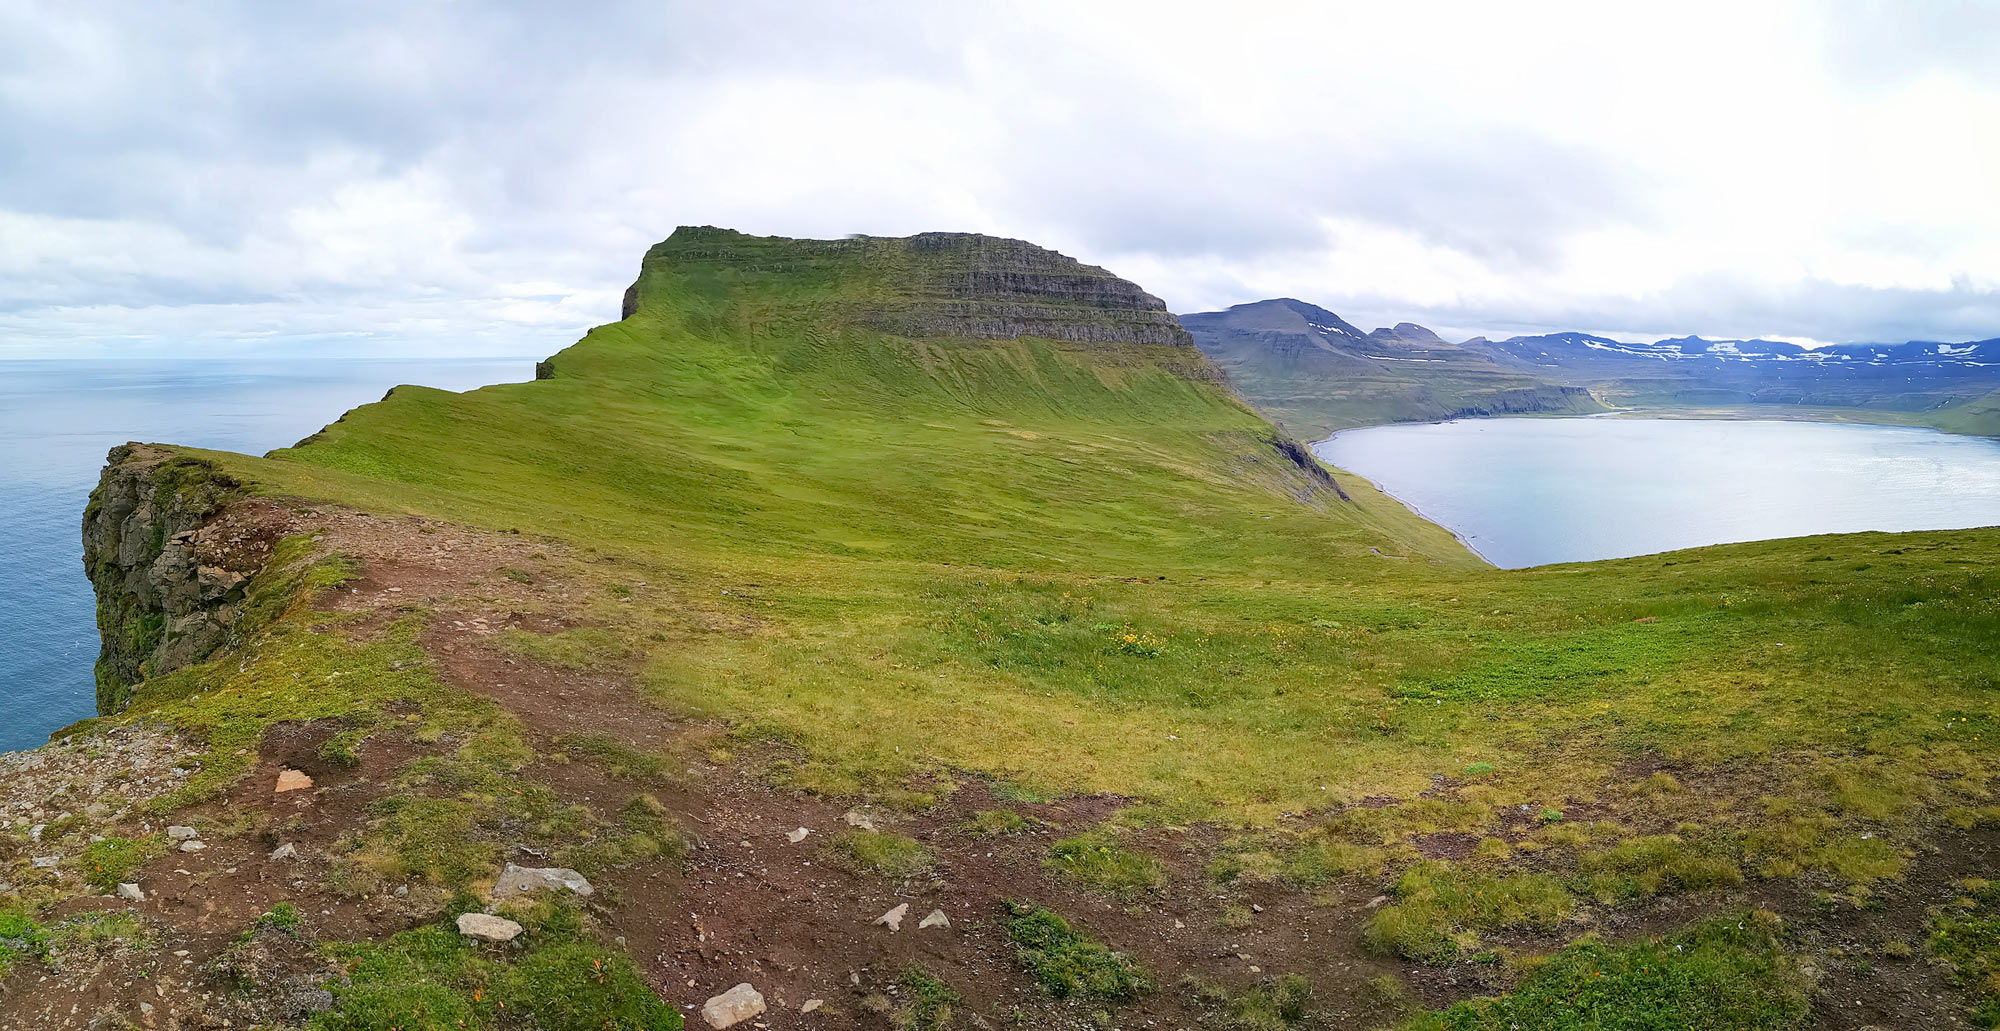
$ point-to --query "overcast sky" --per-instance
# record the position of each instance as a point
(477, 178)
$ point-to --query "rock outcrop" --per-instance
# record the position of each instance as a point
(171, 577)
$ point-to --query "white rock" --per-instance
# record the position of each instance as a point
(285, 851)
(861, 820)
(732, 1007)
(517, 879)
(935, 918)
(488, 928)
(46, 862)
(179, 833)
(798, 835)
(811, 1005)
(193, 845)
(131, 891)
(893, 919)
(35, 832)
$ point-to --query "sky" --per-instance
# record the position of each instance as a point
(455, 178)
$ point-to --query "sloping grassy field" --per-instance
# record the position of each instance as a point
(1083, 568)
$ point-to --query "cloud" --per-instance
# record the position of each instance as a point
(453, 178)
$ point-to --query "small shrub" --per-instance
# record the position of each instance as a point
(109, 862)
(1067, 964)
(283, 917)
(931, 1002)
(994, 823)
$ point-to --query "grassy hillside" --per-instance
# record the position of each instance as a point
(1980, 417)
(894, 566)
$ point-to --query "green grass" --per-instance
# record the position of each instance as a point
(930, 1004)
(1723, 975)
(1097, 860)
(1068, 964)
(1273, 1004)
(882, 852)
(1646, 866)
(616, 757)
(21, 937)
(432, 977)
(1439, 911)
(995, 823)
(583, 648)
(1966, 937)
(108, 862)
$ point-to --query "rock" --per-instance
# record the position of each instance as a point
(285, 851)
(798, 835)
(178, 833)
(893, 919)
(732, 1007)
(35, 832)
(488, 928)
(517, 879)
(811, 1005)
(132, 892)
(46, 862)
(861, 820)
(935, 918)
(193, 845)
(291, 780)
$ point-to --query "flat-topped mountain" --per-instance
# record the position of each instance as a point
(1309, 373)
(929, 285)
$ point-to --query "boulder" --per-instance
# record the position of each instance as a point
(517, 879)
(935, 918)
(132, 892)
(291, 780)
(488, 928)
(893, 919)
(178, 833)
(732, 1007)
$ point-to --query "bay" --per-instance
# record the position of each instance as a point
(1525, 492)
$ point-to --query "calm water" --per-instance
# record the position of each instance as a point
(58, 418)
(1523, 492)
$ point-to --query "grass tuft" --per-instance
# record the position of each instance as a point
(1066, 963)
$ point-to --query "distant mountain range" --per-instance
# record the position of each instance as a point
(1313, 371)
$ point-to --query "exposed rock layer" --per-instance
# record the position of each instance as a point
(170, 575)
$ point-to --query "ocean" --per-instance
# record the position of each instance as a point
(57, 420)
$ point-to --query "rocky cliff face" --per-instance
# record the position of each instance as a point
(938, 285)
(170, 570)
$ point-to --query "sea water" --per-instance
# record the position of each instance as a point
(57, 420)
